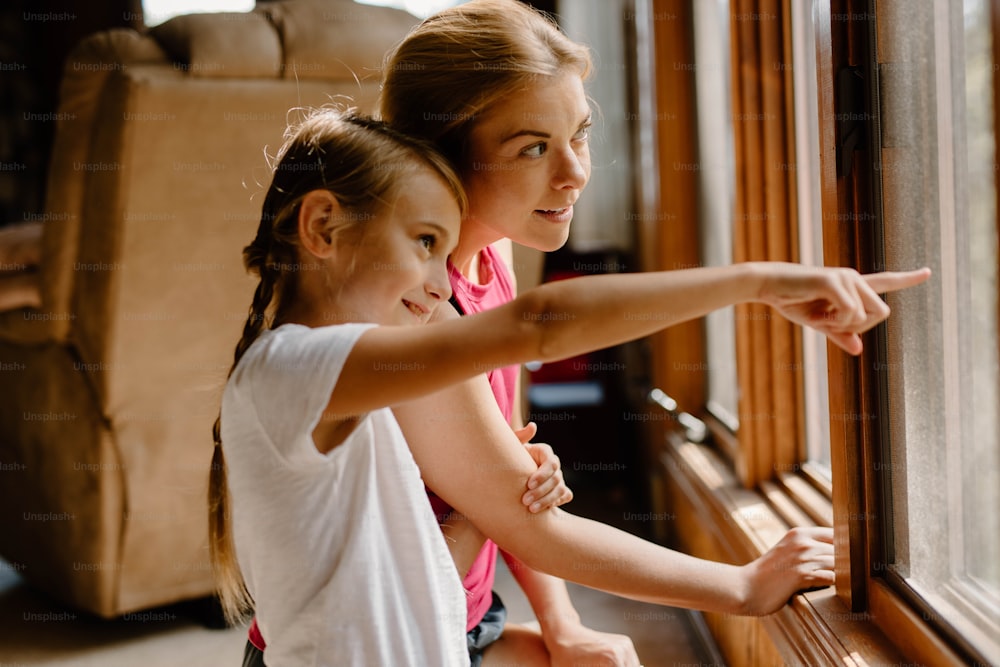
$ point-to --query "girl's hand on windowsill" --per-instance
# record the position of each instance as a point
(802, 559)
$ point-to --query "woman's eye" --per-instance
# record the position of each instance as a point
(427, 241)
(535, 150)
(583, 134)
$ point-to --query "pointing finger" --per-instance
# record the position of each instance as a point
(890, 281)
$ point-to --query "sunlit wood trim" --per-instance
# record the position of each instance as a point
(784, 506)
(741, 517)
(725, 440)
(817, 478)
(806, 496)
(906, 628)
(828, 633)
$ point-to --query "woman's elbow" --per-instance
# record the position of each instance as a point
(531, 538)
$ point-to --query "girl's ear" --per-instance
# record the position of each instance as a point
(319, 208)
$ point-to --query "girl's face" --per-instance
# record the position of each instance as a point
(394, 269)
(529, 160)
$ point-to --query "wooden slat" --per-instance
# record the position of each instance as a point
(808, 498)
(765, 229)
(995, 22)
(749, 242)
(679, 352)
(785, 507)
(832, 47)
(777, 159)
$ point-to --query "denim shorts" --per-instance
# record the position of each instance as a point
(488, 630)
(478, 638)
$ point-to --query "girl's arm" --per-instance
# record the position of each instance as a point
(474, 462)
(389, 365)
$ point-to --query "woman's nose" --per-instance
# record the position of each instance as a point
(572, 170)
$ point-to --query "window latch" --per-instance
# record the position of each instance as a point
(694, 428)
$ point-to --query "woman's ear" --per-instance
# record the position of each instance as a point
(319, 209)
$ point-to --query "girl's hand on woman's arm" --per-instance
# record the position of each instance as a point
(546, 486)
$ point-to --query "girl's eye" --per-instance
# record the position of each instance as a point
(427, 241)
(535, 150)
(583, 134)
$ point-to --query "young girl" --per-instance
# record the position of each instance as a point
(340, 551)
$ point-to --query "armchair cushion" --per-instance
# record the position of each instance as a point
(326, 39)
(224, 45)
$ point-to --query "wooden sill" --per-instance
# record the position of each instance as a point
(903, 624)
(815, 628)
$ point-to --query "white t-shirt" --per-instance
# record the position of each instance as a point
(341, 551)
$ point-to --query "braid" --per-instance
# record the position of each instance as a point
(236, 600)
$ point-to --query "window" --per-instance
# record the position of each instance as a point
(940, 464)
(815, 446)
(156, 12)
(715, 197)
(420, 8)
(863, 135)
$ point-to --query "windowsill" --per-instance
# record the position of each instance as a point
(815, 628)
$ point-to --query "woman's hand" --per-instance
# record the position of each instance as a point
(840, 303)
(546, 487)
(802, 559)
(580, 645)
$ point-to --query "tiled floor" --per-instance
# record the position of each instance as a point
(36, 631)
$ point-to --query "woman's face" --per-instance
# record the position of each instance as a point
(529, 160)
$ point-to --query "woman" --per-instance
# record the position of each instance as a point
(499, 89)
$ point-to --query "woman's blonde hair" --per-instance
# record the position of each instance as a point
(456, 64)
(362, 162)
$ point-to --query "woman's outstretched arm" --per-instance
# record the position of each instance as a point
(473, 461)
(389, 365)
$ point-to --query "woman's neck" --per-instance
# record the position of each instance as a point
(473, 240)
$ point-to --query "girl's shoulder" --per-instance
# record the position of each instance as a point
(299, 350)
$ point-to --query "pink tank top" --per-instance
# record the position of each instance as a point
(494, 290)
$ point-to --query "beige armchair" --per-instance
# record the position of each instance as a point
(108, 391)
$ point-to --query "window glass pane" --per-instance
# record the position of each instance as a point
(155, 12)
(939, 209)
(807, 182)
(716, 191)
(421, 8)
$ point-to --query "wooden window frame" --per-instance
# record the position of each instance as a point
(743, 500)
(858, 497)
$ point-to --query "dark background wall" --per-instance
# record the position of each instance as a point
(35, 38)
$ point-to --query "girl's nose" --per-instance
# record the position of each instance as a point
(438, 286)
